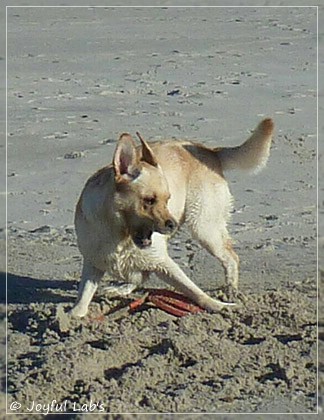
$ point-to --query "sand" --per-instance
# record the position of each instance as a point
(77, 78)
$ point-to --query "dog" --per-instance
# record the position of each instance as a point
(128, 210)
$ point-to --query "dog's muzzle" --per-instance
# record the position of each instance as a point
(169, 227)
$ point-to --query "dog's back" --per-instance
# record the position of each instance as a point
(250, 156)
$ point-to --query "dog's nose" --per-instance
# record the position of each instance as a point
(170, 225)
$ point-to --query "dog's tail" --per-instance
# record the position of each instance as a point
(252, 155)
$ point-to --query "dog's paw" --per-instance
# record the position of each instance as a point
(214, 305)
(234, 295)
(78, 312)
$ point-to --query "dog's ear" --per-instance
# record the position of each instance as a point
(147, 153)
(125, 159)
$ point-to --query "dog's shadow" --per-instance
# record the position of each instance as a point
(23, 289)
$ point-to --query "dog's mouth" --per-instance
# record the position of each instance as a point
(143, 240)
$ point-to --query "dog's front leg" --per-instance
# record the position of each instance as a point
(88, 285)
(172, 274)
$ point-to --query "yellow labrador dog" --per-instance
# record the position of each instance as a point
(128, 210)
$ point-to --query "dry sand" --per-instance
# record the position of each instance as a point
(76, 79)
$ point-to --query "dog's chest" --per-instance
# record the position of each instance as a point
(124, 263)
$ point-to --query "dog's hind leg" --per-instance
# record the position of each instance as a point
(207, 221)
(219, 245)
(88, 285)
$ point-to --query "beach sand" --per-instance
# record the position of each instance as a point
(77, 78)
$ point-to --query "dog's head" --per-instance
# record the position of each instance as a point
(142, 191)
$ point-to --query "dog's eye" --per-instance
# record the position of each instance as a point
(149, 201)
